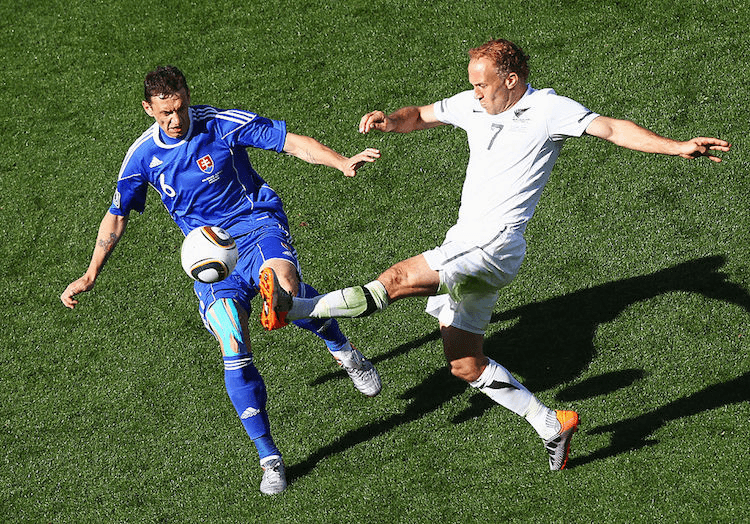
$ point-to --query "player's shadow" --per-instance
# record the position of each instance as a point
(632, 433)
(551, 343)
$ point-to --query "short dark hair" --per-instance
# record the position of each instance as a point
(507, 57)
(163, 81)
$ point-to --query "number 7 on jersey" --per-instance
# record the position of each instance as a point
(499, 128)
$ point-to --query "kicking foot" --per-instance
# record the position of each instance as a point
(276, 301)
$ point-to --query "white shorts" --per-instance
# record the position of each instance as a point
(470, 277)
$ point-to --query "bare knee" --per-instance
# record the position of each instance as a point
(463, 351)
(395, 279)
(286, 272)
(409, 278)
(468, 369)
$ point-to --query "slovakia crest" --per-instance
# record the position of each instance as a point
(206, 164)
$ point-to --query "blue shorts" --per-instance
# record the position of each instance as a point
(255, 248)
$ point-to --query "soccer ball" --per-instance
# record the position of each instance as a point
(208, 254)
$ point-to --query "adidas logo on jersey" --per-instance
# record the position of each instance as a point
(249, 412)
(155, 162)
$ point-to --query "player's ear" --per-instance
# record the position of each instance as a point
(147, 108)
(511, 80)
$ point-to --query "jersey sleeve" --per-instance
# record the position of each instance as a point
(567, 118)
(246, 129)
(132, 185)
(452, 110)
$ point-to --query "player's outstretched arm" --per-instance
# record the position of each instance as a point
(632, 136)
(111, 230)
(404, 120)
(312, 151)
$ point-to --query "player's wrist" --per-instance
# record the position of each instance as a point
(90, 276)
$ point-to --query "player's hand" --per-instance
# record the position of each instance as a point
(358, 160)
(702, 146)
(74, 288)
(373, 120)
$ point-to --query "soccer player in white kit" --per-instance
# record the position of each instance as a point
(515, 135)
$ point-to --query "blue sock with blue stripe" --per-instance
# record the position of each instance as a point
(327, 329)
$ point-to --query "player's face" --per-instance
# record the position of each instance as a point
(493, 91)
(170, 112)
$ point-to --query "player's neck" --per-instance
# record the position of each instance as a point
(515, 96)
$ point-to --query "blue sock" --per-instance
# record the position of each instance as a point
(327, 329)
(247, 392)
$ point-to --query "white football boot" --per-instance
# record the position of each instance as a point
(363, 374)
(274, 476)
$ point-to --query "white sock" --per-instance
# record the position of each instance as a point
(543, 420)
(349, 302)
(497, 383)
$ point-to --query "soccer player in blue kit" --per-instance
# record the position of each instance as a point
(195, 158)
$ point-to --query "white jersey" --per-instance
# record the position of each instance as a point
(511, 157)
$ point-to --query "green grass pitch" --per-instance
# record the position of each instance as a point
(632, 306)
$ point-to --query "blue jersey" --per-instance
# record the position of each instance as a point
(205, 178)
